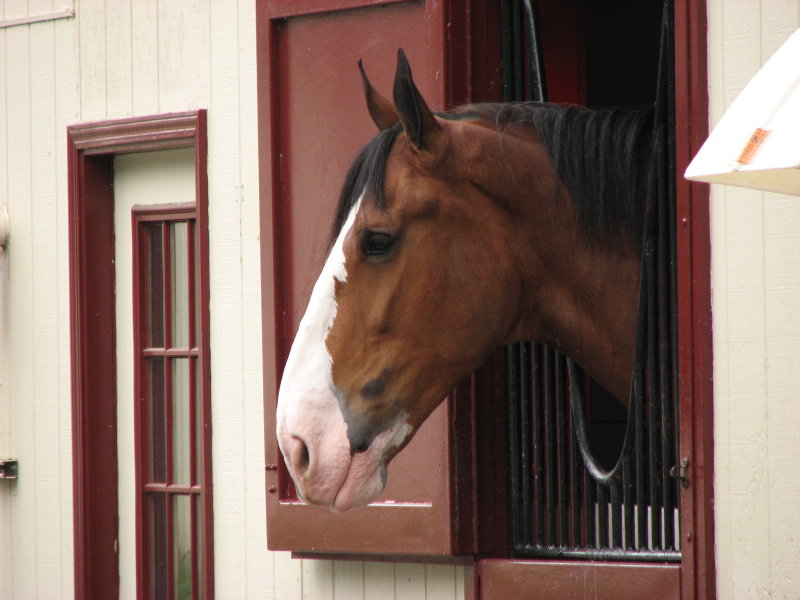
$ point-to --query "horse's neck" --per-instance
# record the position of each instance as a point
(591, 317)
(580, 297)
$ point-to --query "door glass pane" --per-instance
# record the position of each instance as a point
(181, 443)
(198, 420)
(158, 420)
(198, 520)
(179, 276)
(154, 285)
(182, 537)
(197, 330)
(158, 546)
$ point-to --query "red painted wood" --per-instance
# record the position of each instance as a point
(694, 304)
(563, 45)
(312, 123)
(93, 369)
(281, 9)
(546, 580)
(171, 352)
(192, 342)
(91, 149)
(166, 286)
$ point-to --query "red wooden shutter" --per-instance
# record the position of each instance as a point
(312, 122)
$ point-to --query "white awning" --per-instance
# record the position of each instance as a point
(756, 144)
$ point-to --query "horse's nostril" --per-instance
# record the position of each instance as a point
(299, 456)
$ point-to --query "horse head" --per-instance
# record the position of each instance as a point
(402, 308)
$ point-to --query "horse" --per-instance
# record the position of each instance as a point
(458, 232)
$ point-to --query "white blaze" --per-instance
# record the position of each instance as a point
(308, 407)
(307, 383)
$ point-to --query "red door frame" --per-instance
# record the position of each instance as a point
(695, 346)
(91, 148)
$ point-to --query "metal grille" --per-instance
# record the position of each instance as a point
(558, 508)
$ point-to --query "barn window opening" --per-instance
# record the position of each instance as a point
(558, 507)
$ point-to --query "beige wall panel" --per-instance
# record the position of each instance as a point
(20, 321)
(91, 23)
(5, 415)
(144, 58)
(756, 283)
(118, 46)
(39, 67)
(184, 52)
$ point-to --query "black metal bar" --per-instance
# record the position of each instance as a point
(602, 516)
(670, 432)
(551, 507)
(561, 442)
(526, 445)
(641, 480)
(616, 514)
(537, 406)
(652, 395)
(590, 489)
(537, 84)
(665, 377)
(515, 472)
(576, 497)
(628, 476)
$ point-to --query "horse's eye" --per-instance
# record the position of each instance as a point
(375, 243)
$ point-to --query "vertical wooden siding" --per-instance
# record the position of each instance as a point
(756, 286)
(118, 59)
(38, 101)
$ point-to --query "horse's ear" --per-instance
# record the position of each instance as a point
(417, 119)
(380, 109)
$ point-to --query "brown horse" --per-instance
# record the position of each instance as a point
(456, 233)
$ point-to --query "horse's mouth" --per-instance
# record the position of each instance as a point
(356, 492)
(360, 481)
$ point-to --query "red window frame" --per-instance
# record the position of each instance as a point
(154, 277)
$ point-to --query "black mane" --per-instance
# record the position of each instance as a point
(601, 156)
(367, 174)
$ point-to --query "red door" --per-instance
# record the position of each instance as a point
(313, 122)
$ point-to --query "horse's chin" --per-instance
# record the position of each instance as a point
(357, 492)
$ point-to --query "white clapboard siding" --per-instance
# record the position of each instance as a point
(20, 318)
(756, 286)
(38, 103)
(119, 59)
(5, 416)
